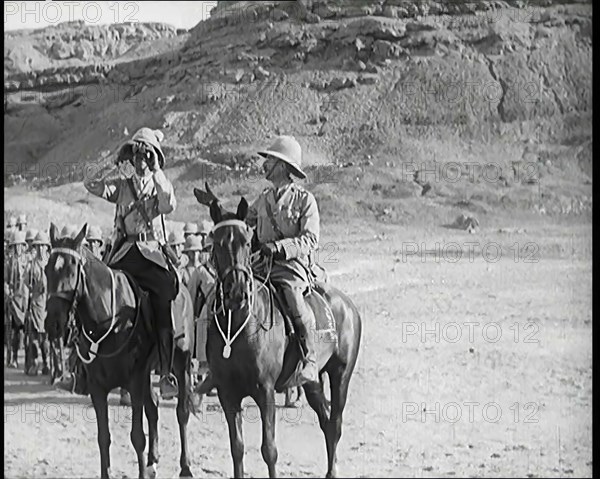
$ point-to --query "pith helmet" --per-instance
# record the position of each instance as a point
(176, 237)
(150, 137)
(31, 234)
(12, 222)
(18, 238)
(190, 228)
(193, 243)
(205, 227)
(22, 220)
(42, 238)
(287, 149)
(95, 234)
(68, 231)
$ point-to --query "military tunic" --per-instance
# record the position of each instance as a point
(201, 283)
(159, 200)
(296, 215)
(16, 278)
(39, 289)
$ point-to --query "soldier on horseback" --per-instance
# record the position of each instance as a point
(286, 221)
(139, 240)
(287, 224)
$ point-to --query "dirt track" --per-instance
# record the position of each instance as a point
(516, 406)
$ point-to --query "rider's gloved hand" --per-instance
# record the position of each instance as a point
(271, 249)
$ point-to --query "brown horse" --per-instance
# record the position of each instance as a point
(110, 318)
(249, 360)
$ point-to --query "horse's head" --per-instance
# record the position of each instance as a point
(64, 272)
(232, 239)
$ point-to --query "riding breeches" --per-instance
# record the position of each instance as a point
(153, 278)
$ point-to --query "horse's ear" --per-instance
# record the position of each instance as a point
(215, 212)
(52, 234)
(242, 209)
(81, 235)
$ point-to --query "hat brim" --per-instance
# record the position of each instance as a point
(295, 168)
(156, 146)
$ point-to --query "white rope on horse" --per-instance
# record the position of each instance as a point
(227, 338)
(93, 352)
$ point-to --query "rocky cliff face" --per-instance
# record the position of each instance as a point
(376, 89)
(74, 53)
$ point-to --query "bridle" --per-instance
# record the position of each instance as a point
(246, 270)
(73, 298)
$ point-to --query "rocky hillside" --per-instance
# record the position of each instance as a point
(400, 105)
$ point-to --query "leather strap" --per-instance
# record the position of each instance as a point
(272, 220)
(139, 203)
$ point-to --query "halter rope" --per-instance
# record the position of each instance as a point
(94, 345)
(228, 339)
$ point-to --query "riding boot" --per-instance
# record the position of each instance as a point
(168, 381)
(302, 324)
(309, 371)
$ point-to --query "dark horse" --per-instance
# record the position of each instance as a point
(253, 361)
(109, 309)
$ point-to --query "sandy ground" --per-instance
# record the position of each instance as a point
(467, 368)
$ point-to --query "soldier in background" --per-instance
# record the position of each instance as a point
(94, 241)
(192, 250)
(202, 280)
(37, 339)
(22, 223)
(16, 287)
(29, 237)
(190, 229)
(177, 242)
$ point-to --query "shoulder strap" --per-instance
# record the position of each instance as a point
(272, 219)
(138, 203)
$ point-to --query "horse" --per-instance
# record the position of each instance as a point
(249, 361)
(109, 316)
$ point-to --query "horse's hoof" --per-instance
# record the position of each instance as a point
(185, 472)
(152, 472)
(295, 404)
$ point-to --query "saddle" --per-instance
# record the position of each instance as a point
(181, 314)
(325, 329)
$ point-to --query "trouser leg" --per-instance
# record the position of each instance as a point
(45, 347)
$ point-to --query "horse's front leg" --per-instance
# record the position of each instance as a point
(151, 411)
(232, 407)
(99, 400)
(183, 372)
(138, 439)
(265, 398)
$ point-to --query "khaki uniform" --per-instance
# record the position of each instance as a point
(117, 191)
(36, 315)
(202, 280)
(295, 212)
(39, 289)
(15, 279)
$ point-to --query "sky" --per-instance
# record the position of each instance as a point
(18, 15)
